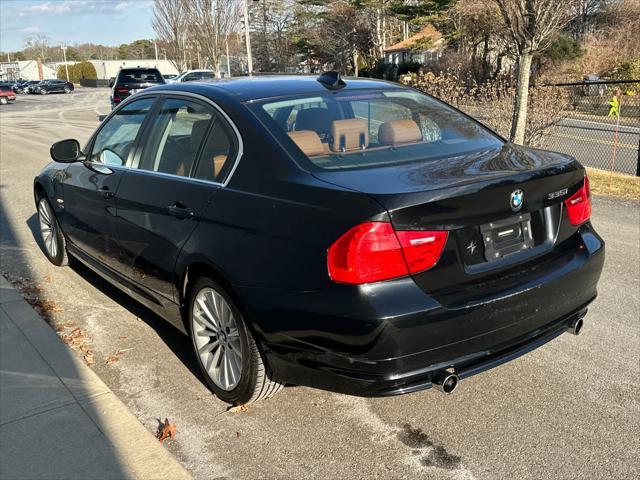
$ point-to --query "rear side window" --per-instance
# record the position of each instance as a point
(370, 128)
(115, 139)
(218, 153)
(140, 76)
(176, 135)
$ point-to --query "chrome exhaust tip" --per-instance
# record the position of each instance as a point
(576, 326)
(445, 382)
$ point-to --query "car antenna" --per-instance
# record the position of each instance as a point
(331, 80)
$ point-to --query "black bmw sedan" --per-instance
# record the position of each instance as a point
(352, 235)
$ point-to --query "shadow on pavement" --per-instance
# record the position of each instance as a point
(172, 337)
(52, 422)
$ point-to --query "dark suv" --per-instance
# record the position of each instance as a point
(54, 86)
(132, 80)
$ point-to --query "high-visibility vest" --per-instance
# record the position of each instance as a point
(614, 111)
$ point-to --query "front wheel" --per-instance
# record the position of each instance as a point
(233, 367)
(67, 90)
(3, 101)
(53, 241)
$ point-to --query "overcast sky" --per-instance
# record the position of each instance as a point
(108, 22)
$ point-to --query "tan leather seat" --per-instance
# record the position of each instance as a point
(198, 129)
(218, 163)
(309, 142)
(349, 135)
(396, 132)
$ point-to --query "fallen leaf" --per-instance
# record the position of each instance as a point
(88, 357)
(111, 359)
(167, 430)
(76, 332)
(237, 434)
(84, 348)
(47, 279)
(238, 409)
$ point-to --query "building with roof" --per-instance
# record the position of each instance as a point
(425, 46)
(26, 70)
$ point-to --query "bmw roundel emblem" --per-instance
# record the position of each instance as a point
(517, 199)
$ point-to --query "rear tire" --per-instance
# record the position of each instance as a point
(223, 344)
(53, 241)
(67, 90)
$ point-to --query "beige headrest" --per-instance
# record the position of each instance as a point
(309, 142)
(350, 134)
(399, 131)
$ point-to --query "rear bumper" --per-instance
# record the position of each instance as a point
(391, 337)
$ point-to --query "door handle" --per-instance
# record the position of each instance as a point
(179, 210)
(105, 193)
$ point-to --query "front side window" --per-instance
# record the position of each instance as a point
(369, 128)
(115, 139)
(176, 135)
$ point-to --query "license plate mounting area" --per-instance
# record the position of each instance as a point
(505, 237)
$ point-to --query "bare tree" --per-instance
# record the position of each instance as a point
(211, 22)
(531, 26)
(37, 46)
(169, 23)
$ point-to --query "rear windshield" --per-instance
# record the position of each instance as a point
(368, 128)
(140, 76)
(5, 88)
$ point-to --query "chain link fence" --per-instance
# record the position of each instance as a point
(596, 131)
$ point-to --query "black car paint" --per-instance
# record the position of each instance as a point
(265, 237)
(54, 86)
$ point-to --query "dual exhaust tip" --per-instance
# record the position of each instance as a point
(446, 381)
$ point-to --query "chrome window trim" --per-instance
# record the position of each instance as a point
(180, 93)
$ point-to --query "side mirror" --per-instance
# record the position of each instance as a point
(66, 151)
(112, 80)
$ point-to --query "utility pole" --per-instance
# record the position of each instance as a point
(228, 62)
(64, 57)
(155, 46)
(247, 37)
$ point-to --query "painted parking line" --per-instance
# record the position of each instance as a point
(595, 140)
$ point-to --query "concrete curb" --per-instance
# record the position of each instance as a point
(57, 418)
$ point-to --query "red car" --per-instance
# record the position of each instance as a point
(6, 94)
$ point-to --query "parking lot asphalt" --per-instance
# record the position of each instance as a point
(570, 409)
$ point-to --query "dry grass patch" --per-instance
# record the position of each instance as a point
(610, 184)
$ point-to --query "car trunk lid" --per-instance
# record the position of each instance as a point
(472, 197)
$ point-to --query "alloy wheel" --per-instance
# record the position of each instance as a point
(48, 228)
(217, 338)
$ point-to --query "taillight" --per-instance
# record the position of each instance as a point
(579, 204)
(374, 251)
